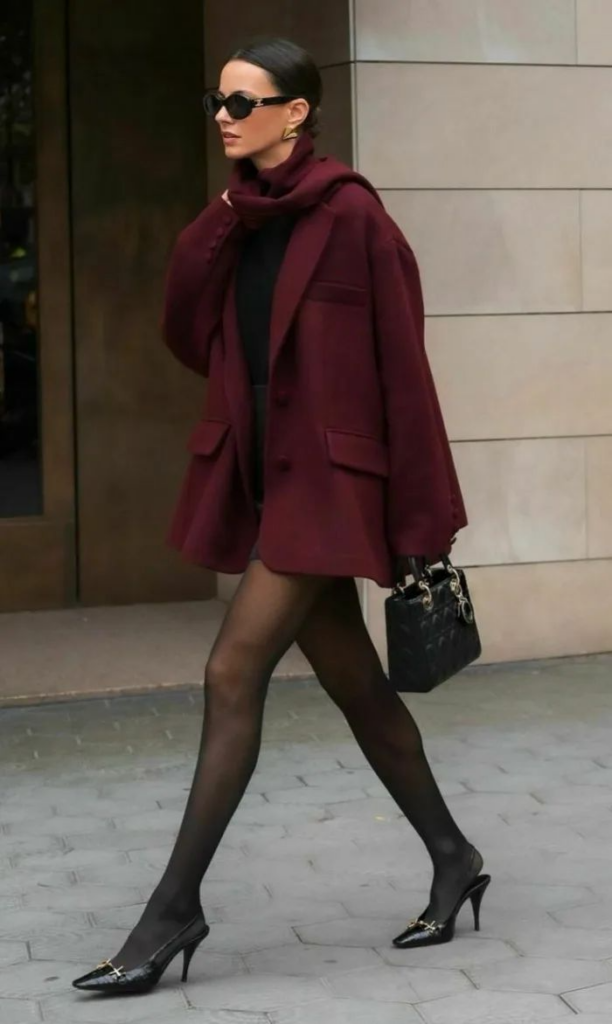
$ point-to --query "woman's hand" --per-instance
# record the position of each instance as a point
(415, 565)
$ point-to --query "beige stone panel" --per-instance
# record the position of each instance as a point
(475, 256)
(594, 23)
(484, 126)
(544, 610)
(321, 26)
(523, 376)
(599, 497)
(529, 611)
(479, 31)
(526, 500)
(597, 249)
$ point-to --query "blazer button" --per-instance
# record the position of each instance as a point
(284, 463)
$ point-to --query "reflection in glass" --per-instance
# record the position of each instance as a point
(20, 489)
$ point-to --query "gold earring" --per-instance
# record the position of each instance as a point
(289, 133)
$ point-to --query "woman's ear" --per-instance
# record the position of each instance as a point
(298, 112)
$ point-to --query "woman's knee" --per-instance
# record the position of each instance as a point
(230, 682)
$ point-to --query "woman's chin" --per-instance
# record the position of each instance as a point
(234, 148)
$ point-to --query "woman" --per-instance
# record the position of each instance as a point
(299, 298)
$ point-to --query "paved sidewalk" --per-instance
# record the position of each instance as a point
(318, 870)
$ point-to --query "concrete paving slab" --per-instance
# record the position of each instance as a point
(304, 897)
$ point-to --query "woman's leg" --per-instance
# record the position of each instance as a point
(336, 642)
(260, 624)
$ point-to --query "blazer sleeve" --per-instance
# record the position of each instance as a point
(424, 503)
(197, 276)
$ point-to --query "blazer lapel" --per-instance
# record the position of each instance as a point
(306, 245)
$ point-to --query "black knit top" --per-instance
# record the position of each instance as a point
(260, 261)
(257, 272)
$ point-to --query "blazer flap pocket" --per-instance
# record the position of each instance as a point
(207, 436)
(358, 451)
(335, 291)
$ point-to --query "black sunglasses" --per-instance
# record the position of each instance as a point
(238, 105)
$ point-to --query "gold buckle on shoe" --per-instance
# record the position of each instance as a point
(430, 926)
(117, 971)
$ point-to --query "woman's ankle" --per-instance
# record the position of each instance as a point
(170, 905)
(463, 860)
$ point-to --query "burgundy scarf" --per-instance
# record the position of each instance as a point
(258, 195)
(299, 182)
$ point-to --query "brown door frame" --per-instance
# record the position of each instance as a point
(38, 553)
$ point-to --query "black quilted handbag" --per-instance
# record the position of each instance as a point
(431, 629)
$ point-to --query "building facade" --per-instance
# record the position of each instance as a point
(484, 124)
(103, 159)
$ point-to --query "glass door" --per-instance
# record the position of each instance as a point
(37, 550)
(20, 482)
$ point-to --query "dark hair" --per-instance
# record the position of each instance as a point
(292, 70)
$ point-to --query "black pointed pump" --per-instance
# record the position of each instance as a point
(112, 980)
(431, 933)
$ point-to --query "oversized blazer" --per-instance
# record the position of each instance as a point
(357, 463)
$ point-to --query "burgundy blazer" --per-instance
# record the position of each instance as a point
(358, 467)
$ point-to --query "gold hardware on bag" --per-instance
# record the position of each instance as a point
(427, 594)
(401, 588)
(464, 608)
(466, 611)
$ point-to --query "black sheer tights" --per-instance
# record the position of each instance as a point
(268, 612)
(337, 644)
(260, 624)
